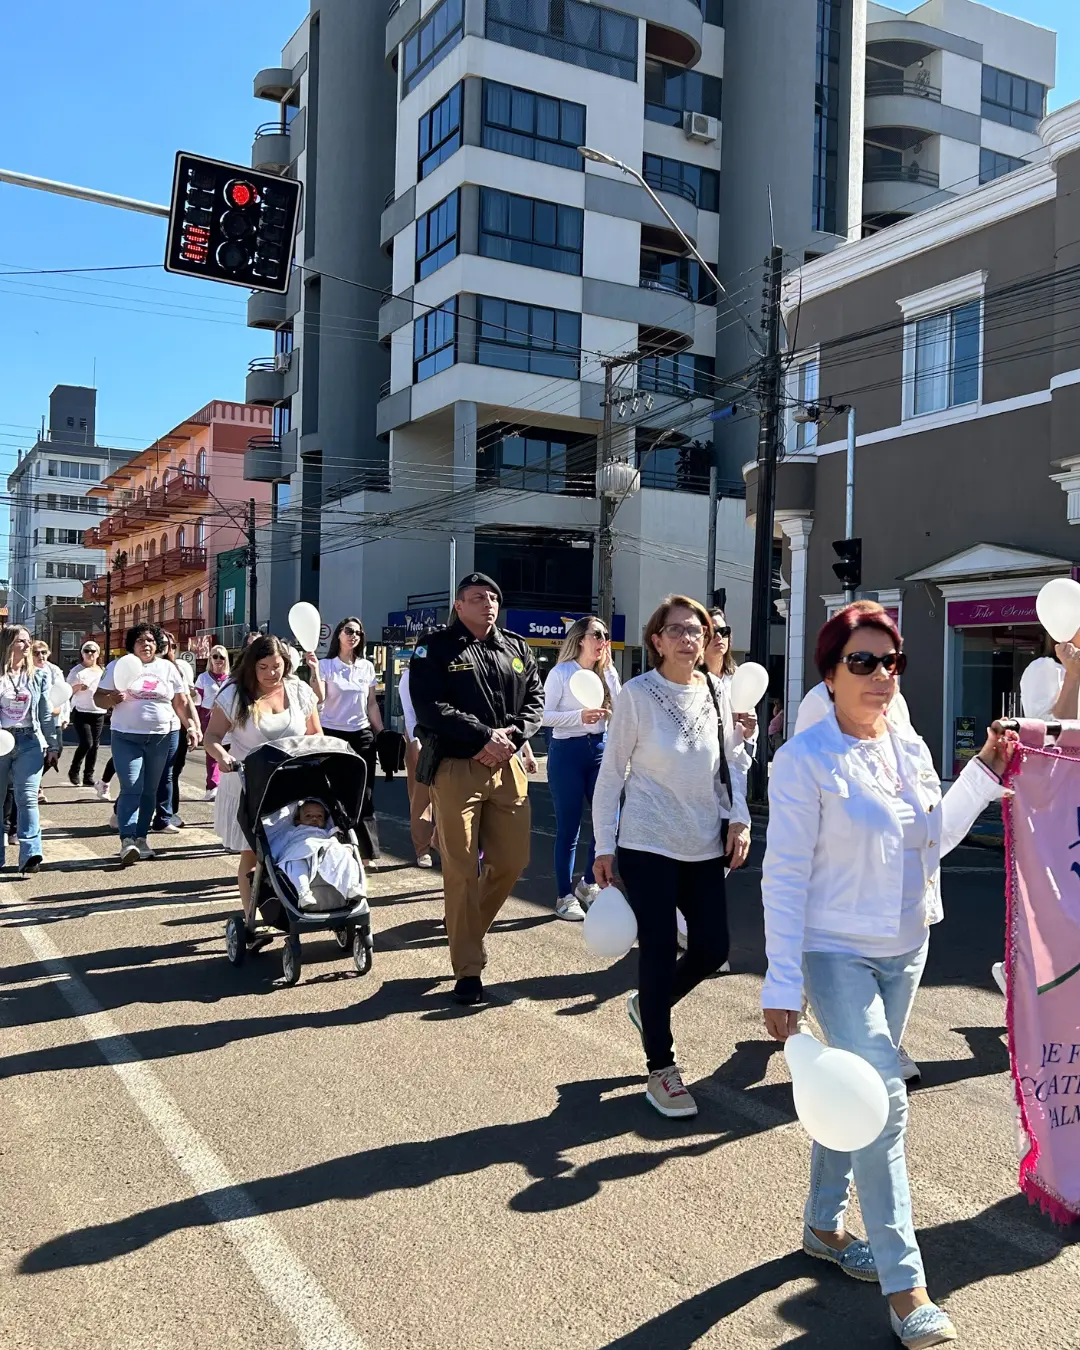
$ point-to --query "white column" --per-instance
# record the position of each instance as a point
(797, 529)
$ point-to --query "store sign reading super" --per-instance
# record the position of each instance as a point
(545, 626)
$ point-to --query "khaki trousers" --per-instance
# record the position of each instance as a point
(421, 822)
(479, 809)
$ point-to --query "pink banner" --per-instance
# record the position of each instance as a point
(1015, 609)
(1042, 836)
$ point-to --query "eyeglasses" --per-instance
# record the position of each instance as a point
(598, 634)
(721, 633)
(693, 631)
(865, 663)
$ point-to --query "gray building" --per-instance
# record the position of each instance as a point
(953, 333)
(50, 511)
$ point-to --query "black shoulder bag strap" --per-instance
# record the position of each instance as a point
(725, 771)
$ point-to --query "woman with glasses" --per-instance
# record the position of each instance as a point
(682, 822)
(86, 717)
(207, 687)
(344, 682)
(578, 736)
(26, 712)
(857, 829)
(59, 696)
(167, 812)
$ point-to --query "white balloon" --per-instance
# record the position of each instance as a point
(7, 743)
(294, 660)
(748, 687)
(306, 624)
(126, 671)
(1058, 608)
(840, 1099)
(59, 697)
(588, 688)
(610, 928)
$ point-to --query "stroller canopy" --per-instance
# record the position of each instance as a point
(285, 771)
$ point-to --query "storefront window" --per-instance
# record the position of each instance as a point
(987, 665)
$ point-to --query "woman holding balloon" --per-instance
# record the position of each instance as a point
(857, 828)
(1050, 686)
(682, 822)
(578, 696)
(350, 711)
(147, 694)
(29, 737)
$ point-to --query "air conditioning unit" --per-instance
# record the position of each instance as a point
(700, 127)
(282, 361)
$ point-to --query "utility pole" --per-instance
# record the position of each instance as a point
(710, 557)
(768, 453)
(606, 569)
(108, 614)
(253, 580)
(849, 501)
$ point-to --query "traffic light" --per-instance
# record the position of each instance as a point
(849, 568)
(229, 224)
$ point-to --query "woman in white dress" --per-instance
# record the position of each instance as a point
(260, 704)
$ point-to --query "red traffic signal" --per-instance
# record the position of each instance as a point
(227, 223)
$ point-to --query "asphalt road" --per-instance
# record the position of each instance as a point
(192, 1157)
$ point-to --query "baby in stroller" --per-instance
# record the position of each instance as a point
(324, 868)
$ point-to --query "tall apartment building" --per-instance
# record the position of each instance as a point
(51, 509)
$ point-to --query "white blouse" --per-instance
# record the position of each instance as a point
(562, 711)
(347, 685)
(256, 731)
(1040, 688)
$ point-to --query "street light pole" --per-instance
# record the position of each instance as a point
(605, 563)
(849, 488)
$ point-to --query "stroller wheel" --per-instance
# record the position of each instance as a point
(344, 936)
(290, 960)
(361, 951)
(236, 939)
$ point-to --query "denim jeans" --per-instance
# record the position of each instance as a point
(140, 759)
(573, 764)
(22, 768)
(862, 1005)
(163, 807)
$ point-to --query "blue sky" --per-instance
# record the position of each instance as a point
(104, 96)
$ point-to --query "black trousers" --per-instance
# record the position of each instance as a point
(88, 730)
(363, 742)
(655, 888)
(178, 768)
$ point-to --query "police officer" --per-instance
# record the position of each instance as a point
(478, 698)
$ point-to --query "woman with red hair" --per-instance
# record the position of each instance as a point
(851, 882)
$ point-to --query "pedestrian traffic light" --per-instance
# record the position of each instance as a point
(849, 568)
(229, 224)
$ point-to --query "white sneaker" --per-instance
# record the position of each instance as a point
(585, 893)
(146, 853)
(210, 795)
(424, 860)
(129, 852)
(998, 972)
(909, 1070)
(102, 790)
(569, 907)
(114, 824)
(168, 826)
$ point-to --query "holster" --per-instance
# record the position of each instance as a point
(427, 762)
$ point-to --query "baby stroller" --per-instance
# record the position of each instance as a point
(273, 779)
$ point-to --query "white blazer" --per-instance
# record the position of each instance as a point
(817, 705)
(834, 856)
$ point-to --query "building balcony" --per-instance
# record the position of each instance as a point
(914, 110)
(266, 379)
(183, 489)
(266, 309)
(271, 150)
(269, 459)
(91, 538)
(900, 190)
(94, 590)
(892, 85)
(273, 83)
(184, 630)
(175, 562)
(667, 317)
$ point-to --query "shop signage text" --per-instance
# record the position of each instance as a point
(414, 621)
(1011, 609)
(550, 626)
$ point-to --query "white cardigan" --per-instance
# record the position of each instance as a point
(834, 857)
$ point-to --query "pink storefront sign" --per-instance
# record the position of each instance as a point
(1006, 610)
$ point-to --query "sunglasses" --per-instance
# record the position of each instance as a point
(597, 633)
(89, 651)
(721, 633)
(865, 663)
(352, 632)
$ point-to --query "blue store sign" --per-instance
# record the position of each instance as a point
(548, 627)
(414, 621)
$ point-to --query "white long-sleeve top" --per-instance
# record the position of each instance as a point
(562, 711)
(1040, 688)
(408, 712)
(663, 752)
(834, 858)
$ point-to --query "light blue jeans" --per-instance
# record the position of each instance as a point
(140, 761)
(862, 1005)
(23, 767)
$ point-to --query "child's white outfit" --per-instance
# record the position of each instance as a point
(308, 854)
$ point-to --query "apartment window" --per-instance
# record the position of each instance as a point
(439, 133)
(683, 276)
(200, 464)
(228, 605)
(56, 536)
(533, 126)
(945, 351)
(283, 343)
(281, 495)
(674, 468)
(281, 424)
(679, 373)
(670, 91)
(697, 185)
(992, 165)
(803, 386)
(567, 30)
(529, 338)
(531, 232)
(1012, 100)
(827, 117)
(198, 603)
(437, 236)
(70, 571)
(430, 41)
(69, 641)
(70, 468)
(435, 341)
(200, 533)
(538, 460)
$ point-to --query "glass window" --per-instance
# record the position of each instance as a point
(435, 341)
(827, 117)
(530, 232)
(712, 11)
(992, 165)
(674, 468)
(946, 368)
(281, 496)
(538, 460)
(1012, 100)
(803, 385)
(437, 236)
(532, 126)
(439, 133)
(283, 342)
(670, 91)
(684, 276)
(697, 185)
(529, 337)
(678, 373)
(430, 41)
(580, 33)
